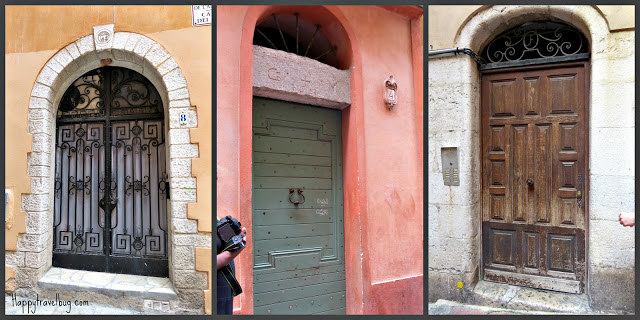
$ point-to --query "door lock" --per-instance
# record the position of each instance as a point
(579, 191)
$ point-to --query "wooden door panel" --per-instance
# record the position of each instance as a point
(503, 98)
(298, 247)
(542, 175)
(534, 158)
(564, 93)
(519, 172)
(532, 96)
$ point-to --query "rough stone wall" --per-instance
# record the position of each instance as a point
(612, 175)
(454, 211)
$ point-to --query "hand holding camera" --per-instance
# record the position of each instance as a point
(232, 234)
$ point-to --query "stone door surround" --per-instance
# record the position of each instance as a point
(146, 56)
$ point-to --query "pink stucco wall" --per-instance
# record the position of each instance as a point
(382, 149)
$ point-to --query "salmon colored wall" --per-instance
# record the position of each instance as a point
(228, 136)
(35, 33)
(53, 27)
(383, 195)
(392, 191)
(21, 72)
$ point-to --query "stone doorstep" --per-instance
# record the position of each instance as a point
(109, 284)
(500, 295)
(446, 307)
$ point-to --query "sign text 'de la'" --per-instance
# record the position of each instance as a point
(201, 15)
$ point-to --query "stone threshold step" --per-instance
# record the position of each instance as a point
(446, 307)
(487, 293)
(109, 284)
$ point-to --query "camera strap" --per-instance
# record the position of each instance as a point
(228, 274)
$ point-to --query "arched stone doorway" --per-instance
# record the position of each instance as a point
(148, 58)
(475, 33)
(534, 92)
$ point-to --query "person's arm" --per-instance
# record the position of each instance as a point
(225, 258)
(627, 219)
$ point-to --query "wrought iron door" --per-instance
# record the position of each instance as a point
(111, 189)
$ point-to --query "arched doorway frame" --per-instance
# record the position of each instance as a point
(490, 21)
(149, 58)
(354, 181)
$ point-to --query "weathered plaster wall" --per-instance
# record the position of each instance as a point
(394, 195)
(454, 217)
(383, 175)
(30, 45)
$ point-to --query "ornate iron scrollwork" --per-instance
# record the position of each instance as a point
(130, 93)
(110, 158)
(84, 96)
(535, 40)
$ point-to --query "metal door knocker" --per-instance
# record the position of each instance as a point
(296, 202)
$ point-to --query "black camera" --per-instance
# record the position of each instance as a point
(229, 232)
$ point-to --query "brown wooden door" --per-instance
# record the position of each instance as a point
(534, 152)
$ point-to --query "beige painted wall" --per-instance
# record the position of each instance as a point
(35, 33)
(445, 22)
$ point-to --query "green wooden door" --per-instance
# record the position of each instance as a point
(298, 248)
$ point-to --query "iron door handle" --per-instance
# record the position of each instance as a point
(296, 202)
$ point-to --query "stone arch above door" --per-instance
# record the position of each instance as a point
(146, 56)
(493, 20)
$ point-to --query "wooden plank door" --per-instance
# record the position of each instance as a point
(534, 188)
(298, 248)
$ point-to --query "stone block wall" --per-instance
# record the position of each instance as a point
(612, 173)
(454, 211)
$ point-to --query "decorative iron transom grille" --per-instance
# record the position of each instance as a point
(292, 34)
(111, 190)
(536, 40)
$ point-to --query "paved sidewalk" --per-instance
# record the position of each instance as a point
(67, 308)
(442, 307)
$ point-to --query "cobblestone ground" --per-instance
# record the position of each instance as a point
(22, 306)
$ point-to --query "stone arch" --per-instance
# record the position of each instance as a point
(493, 20)
(144, 55)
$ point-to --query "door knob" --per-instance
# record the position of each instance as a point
(530, 182)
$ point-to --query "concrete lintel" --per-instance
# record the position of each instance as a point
(287, 76)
